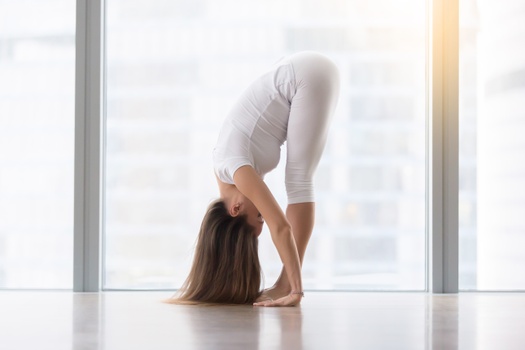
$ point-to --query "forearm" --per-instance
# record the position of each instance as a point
(287, 249)
(301, 217)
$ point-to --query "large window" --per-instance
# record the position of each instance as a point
(492, 145)
(174, 68)
(37, 71)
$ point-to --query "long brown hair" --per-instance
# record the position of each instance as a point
(226, 265)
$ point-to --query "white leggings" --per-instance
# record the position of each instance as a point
(317, 91)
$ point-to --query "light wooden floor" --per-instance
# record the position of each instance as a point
(125, 320)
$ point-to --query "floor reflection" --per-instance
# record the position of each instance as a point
(87, 321)
(324, 321)
(291, 325)
(218, 327)
(442, 322)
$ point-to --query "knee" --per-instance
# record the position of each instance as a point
(299, 191)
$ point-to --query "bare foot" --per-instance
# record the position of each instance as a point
(273, 293)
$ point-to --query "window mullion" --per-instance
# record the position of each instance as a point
(444, 150)
(88, 146)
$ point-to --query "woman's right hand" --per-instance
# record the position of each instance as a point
(265, 296)
(289, 300)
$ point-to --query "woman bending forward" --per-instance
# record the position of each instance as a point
(293, 102)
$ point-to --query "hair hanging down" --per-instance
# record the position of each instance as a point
(226, 265)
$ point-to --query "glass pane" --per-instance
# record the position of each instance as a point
(492, 146)
(37, 82)
(174, 68)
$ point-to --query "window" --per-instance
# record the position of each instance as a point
(174, 68)
(37, 71)
(492, 181)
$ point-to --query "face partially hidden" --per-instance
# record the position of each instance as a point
(253, 215)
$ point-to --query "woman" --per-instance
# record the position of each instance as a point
(291, 102)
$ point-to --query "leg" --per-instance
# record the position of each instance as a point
(310, 112)
(301, 216)
(311, 108)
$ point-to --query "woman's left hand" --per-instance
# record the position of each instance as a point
(289, 300)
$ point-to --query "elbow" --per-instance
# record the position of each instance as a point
(283, 230)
